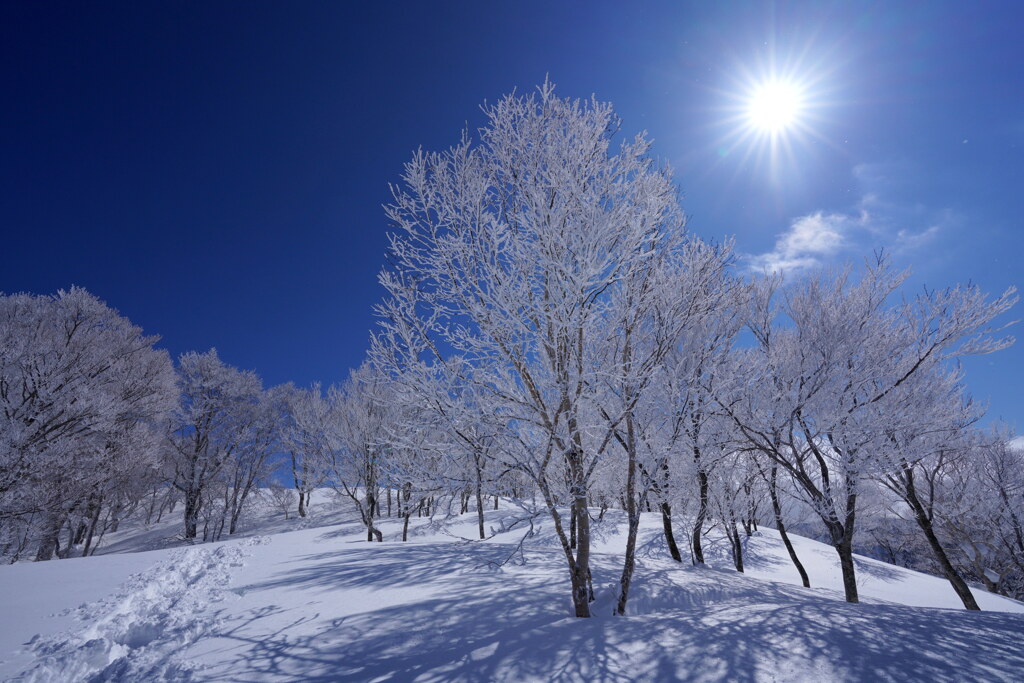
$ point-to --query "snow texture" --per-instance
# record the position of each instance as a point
(320, 604)
(135, 633)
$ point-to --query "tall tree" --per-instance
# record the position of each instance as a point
(506, 254)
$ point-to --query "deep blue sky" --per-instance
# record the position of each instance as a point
(216, 170)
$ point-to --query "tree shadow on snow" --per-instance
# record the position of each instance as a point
(462, 622)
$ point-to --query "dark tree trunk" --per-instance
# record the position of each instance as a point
(670, 538)
(371, 502)
(702, 513)
(849, 573)
(479, 471)
(300, 484)
(633, 514)
(405, 508)
(480, 512)
(737, 545)
(92, 529)
(629, 564)
(773, 492)
(115, 517)
(49, 544)
(583, 592)
(960, 586)
(192, 504)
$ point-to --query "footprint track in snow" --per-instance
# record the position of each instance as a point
(139, 631)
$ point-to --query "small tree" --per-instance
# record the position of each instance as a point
(281, 497)
(220, 407)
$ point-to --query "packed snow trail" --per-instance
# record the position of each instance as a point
(138, 632)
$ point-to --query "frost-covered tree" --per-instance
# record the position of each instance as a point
(218, 421)
(982, 512)
(507, 254)
(84, 398)
(832, 361)
(698, 369)
(306, 433)
(926, 433)
(670, 312)
(363, 415)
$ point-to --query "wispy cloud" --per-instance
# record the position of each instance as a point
(808, 242)
(875, 222)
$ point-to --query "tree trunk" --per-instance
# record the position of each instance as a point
(477, 456)
(92, 528)
(629, 564)
(192, 504)
(633, 515)
(480, 512)
(582, 592)
(960, 586)
(702, 512)
(670, 538)
(845, 550)
(405, 508)
(49, 544)
(371, 501)
(737, 546)
(115, 518)
(781, 527)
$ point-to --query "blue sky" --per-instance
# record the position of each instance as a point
(216, 170)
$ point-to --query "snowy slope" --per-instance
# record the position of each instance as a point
(321, 604)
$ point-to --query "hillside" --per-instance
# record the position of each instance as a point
(320, 604)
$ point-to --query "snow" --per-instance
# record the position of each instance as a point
(319, 603)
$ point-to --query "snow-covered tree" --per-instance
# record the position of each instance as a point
(982, 512)
(219, 420)
(306, 434)
(362, 420)
(84, 398)
(507, 254)
(832, 362)
(926, 433)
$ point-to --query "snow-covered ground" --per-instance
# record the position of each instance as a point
(321, 604)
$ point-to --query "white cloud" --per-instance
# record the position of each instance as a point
(809, 240)
(873, 223)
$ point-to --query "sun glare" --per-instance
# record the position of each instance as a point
(772, 110)
(774, 106)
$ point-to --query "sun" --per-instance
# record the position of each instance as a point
(774, 106)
